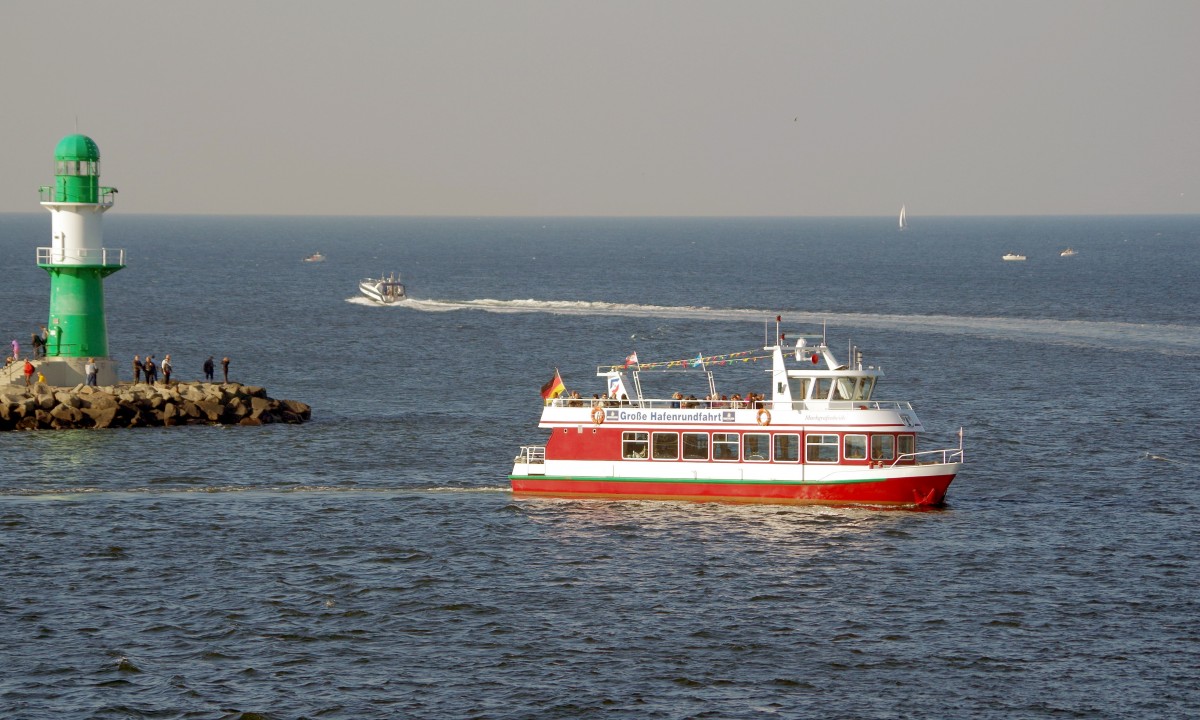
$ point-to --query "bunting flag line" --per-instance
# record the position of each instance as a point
(698, 361)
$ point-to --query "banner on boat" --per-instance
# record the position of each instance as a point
(671, 416)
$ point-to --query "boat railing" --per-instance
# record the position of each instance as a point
(531, 455)
(700, 404)
(869, 405)
(930, 457)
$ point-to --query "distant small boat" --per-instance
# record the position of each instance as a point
(1067, 253)
(385, 290)
(903, 218)
(315, 257)
(1014, 256)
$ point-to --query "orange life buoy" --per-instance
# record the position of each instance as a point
(598, 415)
(764, 417)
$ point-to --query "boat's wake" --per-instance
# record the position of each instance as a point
(1178, 339)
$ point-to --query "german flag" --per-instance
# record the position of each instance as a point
(554, 388)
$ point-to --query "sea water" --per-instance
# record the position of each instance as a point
(372, 563)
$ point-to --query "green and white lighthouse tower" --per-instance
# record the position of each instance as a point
(77, 262)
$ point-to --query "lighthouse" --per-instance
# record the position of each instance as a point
(77, 262)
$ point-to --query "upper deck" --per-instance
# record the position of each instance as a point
(803, 377)
(808, 384)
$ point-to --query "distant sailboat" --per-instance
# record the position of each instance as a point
(903, 218)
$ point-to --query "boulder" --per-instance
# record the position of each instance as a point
(298, 408)
(101, 417)
(66, 415)
(212, 409)
(260, 406)
(101, 402)
(70, 399)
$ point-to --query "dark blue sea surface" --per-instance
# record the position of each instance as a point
(372, 563)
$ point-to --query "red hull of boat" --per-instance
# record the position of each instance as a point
(921, 491)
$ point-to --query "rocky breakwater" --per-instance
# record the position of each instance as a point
(143, 405)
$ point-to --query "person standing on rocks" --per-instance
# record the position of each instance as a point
(150, 370)
(37, 345)
(166, 368)
(137, 369)
(224, 367)
(16, 350)
(28, 369)
(90, 371)
(208, 369)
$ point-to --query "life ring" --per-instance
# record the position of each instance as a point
(598, 415)
(764, 417)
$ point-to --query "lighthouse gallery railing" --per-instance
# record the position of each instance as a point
(81, 256)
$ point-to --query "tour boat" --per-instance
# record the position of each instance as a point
(386, 290)
(1013, 256)
(315, 257)
(819, 436)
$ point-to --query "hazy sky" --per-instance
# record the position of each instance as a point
(610, 108)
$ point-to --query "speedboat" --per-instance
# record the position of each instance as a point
(1069, 252)
(315, 257)
(1013, 256)
(384, 290)
(818, 435)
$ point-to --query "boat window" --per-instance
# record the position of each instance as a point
(822, 448)
(821, 388)
(725, 446)
(844, 389)
(666, 446)
(799, 388)
(855, 447)
(756, 447)
(882, 447)
(862, 391)
(906, 444)
(695, 446)
(634, 445)
(787, 448)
